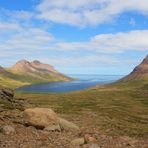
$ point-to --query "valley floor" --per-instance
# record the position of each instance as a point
(117, 118)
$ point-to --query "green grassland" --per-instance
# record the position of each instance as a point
(128, 84)
(117, 109)
(11, 83)
(120, 108)
(14, 80)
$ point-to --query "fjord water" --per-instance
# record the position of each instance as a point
(82, 82)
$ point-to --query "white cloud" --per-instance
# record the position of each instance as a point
(87, 12)
(36, 43)
(79, 61)
(39, 39)
(109, 43)
(133, 40)
(4, 26)
(25, 38)
(20, 14)
(16, 14)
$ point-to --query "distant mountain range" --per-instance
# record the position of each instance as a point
(25, 73)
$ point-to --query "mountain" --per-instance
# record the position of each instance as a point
(137, 78)
(25, 73)
(139, 71)
(2, 70)
(35, 66)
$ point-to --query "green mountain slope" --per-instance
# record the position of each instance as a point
(25, 73)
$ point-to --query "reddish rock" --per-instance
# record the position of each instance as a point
(90, 139)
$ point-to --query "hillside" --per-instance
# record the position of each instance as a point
(112, 115)
(137, 78)
(25, 73)
(139, 71)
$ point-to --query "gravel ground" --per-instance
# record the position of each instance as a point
(30, 137)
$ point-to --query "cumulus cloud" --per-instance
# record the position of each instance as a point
(15, 14)
(25, 35)
(79, 61)
(4, 26)
(27, 39)
(35, 38)
(36, 43)
(133, 40)
(87, 12)
(110, 43)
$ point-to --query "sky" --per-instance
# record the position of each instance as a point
(76, 37)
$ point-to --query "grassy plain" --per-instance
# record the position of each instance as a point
(116, 109)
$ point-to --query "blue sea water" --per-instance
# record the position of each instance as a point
(82, 82)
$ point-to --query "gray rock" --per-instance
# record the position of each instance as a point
(91, 146)
(8, 129)
(67, 126)
(94, 146)
(53, 128)
(7, 94)
(77, 142)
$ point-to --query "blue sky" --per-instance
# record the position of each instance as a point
(87, 36)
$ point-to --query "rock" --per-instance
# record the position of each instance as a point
(91, 146)
(67, 126)
(2, 109)
(8, 130)
(53, 128)
(7, 94)
(90, 139)
(40, 117)
(78, 142)
(44, 118)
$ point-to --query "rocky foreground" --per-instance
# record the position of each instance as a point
(24, 126)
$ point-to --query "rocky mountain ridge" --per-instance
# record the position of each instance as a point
(2, 69)
(35, 66)
(25, 73)
(139, 71)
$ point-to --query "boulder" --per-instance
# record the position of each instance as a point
(52, 128)
(94, 146)
(67, 126)
(7, 94)
(7, 129)
(77, 142)
(91, 146)
(47, 119)
(40, 117)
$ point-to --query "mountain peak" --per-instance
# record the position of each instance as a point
(21, 66)
(139, 71)
(45, 67)
(1, 69)
(36, 62)
(32, 67)
(22, 62)
(145, 61)
(25, 72)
